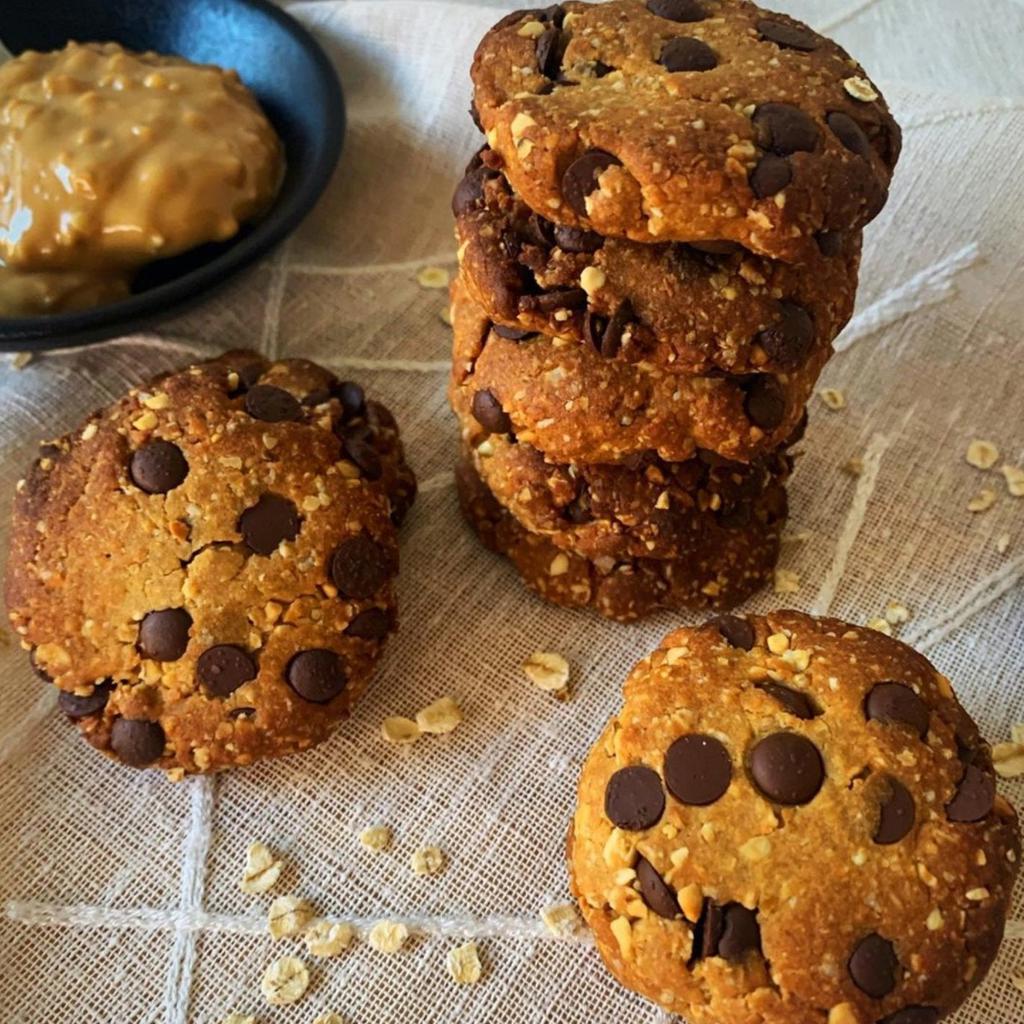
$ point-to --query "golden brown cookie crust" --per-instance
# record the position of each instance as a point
(646, 508)
(692, 161)
(819, 877)
(575, 405)
(719, 576)
(689, 311)
(268, 470)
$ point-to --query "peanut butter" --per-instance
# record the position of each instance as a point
(110, 160)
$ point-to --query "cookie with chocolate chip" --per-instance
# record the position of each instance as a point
(719, 574)
(683, 308)
(791, 820)
(577, 405)
(685, 120)
(205, 569)
(643, 508)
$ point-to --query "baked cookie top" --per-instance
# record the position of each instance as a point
(685, 308)
(685, 120)
(793, 819)
(205, 568)
(577, 405)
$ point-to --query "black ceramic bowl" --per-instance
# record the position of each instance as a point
(276, 58)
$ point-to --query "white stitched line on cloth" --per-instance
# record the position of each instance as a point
(460, 926)
(876, 448)
(945, 116)
(401, 365)
(927, 287)
(372, 268)
(178, 986)
(437, 482)
(270, 342)
(979, 597)
(848, 15)
(14, 741)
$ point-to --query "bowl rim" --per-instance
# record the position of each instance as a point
(59, 330)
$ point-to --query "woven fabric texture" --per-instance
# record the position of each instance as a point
(119, 898)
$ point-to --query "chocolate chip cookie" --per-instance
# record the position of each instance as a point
(685, 120)
(718, 575)
(643, 508)
(577, 405)
(793, 820)
(205, 569)
(679, 307)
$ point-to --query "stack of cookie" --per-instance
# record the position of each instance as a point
(658, 245)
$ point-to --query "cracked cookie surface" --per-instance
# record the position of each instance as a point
(793, 820)
(719, 575)
(685, 120)
(670, 304)
(205, 569)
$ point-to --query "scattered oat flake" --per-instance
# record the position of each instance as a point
(376, 838)
(1017, 733)
(1014, 476)
(464, 964)
(445, 315)
(288, 916)
(262, 870)
(323, 938)
(285, 981)
(432, 277)
(547, 670)
(833, 398)
(896, 613)
(397, 729)
(982, 454)
(1003, 543)
(561, 919)
(880, 625)
(1018, 982)
(853, 467)
(427, 860)
(388, 936)
(441, 717)
(786, 582)
(329, 1018)
(21, 360)
(238, 1018)
(796, 537)
(982, 501)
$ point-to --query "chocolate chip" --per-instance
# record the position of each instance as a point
(765, 402)
(271, 405)
(897, 704)
(550, 50)
(737, 631)
(697, 769)
(771, 175)
(271, 520)
(248, 374)
(317, 675)
(363, 455)
(469, 193)
(604, 333)
(243, 712)
(163, 635)
(793, 701)
(556, 299)
(634, 799)
(352, 399)
(787, 768)
(360, 567)
(539, 230)
(740, 932)
(677, 10)
(579, 510)
(896, 814)
(717, 247)
(789, 340)
(372, 624)
(136, 742)
(580, 178)
(684, 53)
(784, 129)
(316, 397)
(39, 671)
(849, 133)
(873, 966)
(577, 239)
(510, 333)
(487, 411)
(654, 892)
(224, 668)
(975, 796)
(913, 1015)
(789, 37)
(830, 243)
(157, 467)
(80, 707)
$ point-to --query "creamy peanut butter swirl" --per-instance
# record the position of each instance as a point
(110, 160)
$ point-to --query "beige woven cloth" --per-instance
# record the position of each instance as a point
(119, 899)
